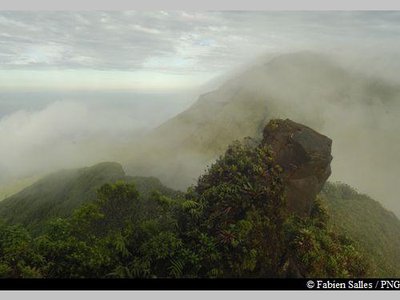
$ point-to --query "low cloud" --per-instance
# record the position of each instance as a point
(70, 133)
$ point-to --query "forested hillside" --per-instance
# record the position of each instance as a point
(234, 222)
(58, 194)
(375, 229)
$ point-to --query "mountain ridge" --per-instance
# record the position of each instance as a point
(59, 193)
(356, 111)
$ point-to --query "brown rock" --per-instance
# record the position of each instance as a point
(305, 156)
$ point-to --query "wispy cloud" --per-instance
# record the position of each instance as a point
(193, 45)
(181, 41)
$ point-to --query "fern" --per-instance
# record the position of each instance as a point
(176, 268)
(121, 272)
(120, 246)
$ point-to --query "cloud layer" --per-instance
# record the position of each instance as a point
(75, 132)
(180, 41)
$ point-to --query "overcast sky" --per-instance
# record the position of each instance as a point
(169, 50)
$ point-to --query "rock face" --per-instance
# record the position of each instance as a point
(305, 156)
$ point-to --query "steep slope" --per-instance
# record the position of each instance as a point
(375, 229)
(239, 221)
(10, 188)
(60, 193)
(359, 113)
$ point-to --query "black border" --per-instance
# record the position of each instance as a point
(187, 284)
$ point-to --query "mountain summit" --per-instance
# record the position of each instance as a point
(356, 111)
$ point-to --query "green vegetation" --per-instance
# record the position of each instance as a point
(59, 194)
(374, 229)
(233, 223)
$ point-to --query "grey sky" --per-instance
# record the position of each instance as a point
(184, 49)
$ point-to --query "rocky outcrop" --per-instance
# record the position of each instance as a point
(305, 156)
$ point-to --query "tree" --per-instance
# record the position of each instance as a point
(18, 258)
(314, 250)
(244, 210)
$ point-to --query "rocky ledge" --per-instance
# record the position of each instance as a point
(305, 156)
